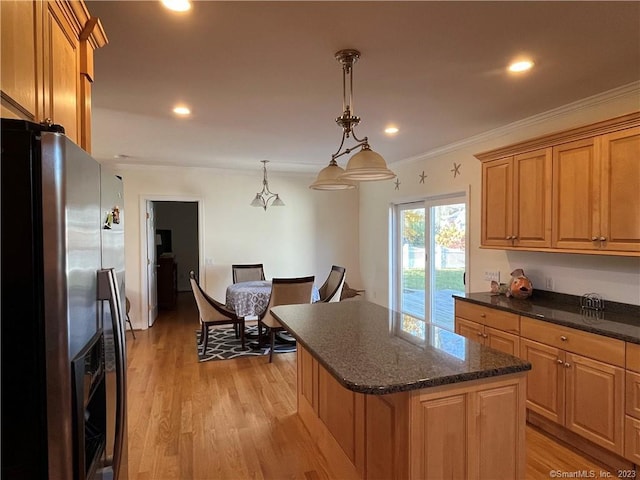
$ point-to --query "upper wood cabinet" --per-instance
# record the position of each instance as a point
(516, 200)
(47, 63)
(574, 191)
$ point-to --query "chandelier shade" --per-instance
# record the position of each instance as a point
(329, 179)
(364, 166)
(265, 196)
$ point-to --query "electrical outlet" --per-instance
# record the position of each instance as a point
(548, 283)
(490, 275)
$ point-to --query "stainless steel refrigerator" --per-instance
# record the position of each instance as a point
(63, 344)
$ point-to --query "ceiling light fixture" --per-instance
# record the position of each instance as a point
(366, 165)
(177, 5)
(263, 197)
(521, 66)
(182, 110)
(391, 130)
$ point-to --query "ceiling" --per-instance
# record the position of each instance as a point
(262, 81)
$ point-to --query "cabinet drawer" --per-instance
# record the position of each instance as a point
(633, 357)
(632, 439)
(588, 344)
(509, 322)
(632, 393)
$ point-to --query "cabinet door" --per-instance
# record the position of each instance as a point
(620, 190)
(471, 330)
(632, 394)
(632, 440)
(532, 199)
(20, 58)
(499, 431)
(503, 341)
(576, 218)
(61, 57)
(595, 401)
(545, 381)
(497, 202)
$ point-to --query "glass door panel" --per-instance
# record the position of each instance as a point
(411, 260)
(447, 240)
(429, 261)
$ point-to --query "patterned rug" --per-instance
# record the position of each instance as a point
(224, 345)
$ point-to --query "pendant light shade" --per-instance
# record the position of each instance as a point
(364, 166)
(367, 166)
(329, 179)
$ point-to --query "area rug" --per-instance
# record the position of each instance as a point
(224, 345)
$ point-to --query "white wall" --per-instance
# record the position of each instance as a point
(616, 278)
(313, 231)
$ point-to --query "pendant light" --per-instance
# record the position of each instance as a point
(263, 197)
(364, 166)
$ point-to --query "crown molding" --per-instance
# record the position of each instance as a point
(588, 102)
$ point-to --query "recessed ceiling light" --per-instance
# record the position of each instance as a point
(182, 111)
(391, 130)
(521, 66)
(177, 5)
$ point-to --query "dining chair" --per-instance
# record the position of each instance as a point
(213, 312)
(284, 291)
(127, 318)
(331, 289)
(247, 272)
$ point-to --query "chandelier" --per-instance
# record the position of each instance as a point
(366, 165)
(265, 196)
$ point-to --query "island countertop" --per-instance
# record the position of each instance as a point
(368, 350)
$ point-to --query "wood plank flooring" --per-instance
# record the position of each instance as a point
(236, 419)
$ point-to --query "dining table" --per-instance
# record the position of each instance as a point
(250, 299)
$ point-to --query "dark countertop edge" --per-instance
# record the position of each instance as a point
(417, 385)
(557, 321)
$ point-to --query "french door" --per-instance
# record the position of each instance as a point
(429, 259)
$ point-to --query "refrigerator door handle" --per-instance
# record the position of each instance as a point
(108, 291)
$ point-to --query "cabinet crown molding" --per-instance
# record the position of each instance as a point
(570, 135)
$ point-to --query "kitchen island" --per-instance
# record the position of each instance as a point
(388, 396)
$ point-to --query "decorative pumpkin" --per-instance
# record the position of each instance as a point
(520, 286)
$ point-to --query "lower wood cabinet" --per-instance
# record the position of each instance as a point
(545, 382)
(584, 395)
(583, 383)
(491, 337)
(595, 401)
(472, 430)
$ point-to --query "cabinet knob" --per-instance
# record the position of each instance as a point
(485, 335)
(603, 239)
(508, 237)
(594, 239)
(483, 315)
(567, 365)
(515, 237)
(560, 362)
(563, 338)
(479, 334)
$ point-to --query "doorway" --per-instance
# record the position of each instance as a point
(429, 259)
(172, 247)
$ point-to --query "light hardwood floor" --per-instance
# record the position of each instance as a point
(236, 419)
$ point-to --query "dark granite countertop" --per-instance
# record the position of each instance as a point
(621, 321)
(368, 349)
